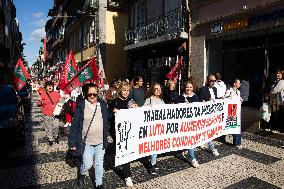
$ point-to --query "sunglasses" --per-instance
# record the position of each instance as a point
(92, 94)
(212, 80)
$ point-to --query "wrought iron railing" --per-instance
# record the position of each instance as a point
(170, 23)
(90, 3)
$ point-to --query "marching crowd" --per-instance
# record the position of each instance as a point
(88, 114)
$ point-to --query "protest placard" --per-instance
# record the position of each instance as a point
(158, 129)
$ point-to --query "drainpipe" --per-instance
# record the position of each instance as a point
(101, 32)
(189, 37)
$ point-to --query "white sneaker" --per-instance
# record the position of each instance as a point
(194, 163)
(275, 131)
(183, 154)
(239, 147)
(128, 182)
(215, 152)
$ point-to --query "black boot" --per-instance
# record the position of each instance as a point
(50, 143)
(99, 187)
(81, 179)
(56, 140)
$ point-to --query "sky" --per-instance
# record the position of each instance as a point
(32, 16)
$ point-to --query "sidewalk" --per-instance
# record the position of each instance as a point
(259, 164)
(251, 124)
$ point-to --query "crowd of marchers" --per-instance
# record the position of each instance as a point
(88, 114)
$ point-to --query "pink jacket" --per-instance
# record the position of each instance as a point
(47, 107)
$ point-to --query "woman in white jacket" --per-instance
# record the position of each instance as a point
(154, 98)
(277, 102)
(234, 93)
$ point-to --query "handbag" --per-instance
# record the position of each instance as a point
(265, 112)
(58, 108)
(72, 158)
(282, 97)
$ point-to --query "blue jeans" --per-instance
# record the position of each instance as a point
(153, 159)
(191, 154)
(237, 139)
(211, 145)
(90, 152)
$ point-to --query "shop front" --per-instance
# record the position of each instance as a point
(153, 63)
(248, 45)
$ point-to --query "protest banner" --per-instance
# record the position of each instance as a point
(158, 129)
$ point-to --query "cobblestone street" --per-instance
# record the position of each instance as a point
(259, 164)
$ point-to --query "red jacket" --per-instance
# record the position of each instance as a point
(47, 107)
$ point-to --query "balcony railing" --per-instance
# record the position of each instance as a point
(90, 4)
(170, 23)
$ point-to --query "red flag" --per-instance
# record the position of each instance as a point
(67, 81)
(173, 74)
(101, 70)
(21, 75)
(89, 72)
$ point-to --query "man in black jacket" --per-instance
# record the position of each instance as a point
(209, 93)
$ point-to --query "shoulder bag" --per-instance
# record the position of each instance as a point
(71, 158)
(58, 108)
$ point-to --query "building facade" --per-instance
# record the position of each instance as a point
(11, 46)
(157, 34)
(88, 28)
(242, 39)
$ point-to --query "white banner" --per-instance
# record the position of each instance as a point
(158, 129)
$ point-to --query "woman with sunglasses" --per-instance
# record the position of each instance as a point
(123, 102)
(88, 133)
(154, 95)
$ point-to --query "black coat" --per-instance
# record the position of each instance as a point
(181, 99)
(75, 136)
(170, 96)
(204, 93)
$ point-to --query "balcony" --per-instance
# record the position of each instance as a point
(90, 4)
(170, 25)
(121, 5)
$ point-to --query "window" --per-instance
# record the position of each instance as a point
(4, 2)
(140, 12)
(79, 41)
(85, 33)
(93, 2)
(92, 31)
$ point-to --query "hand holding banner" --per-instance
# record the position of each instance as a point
(145, 131)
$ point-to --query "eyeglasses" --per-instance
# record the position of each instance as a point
(92, 94)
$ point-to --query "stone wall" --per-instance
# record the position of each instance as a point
(197, 59)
